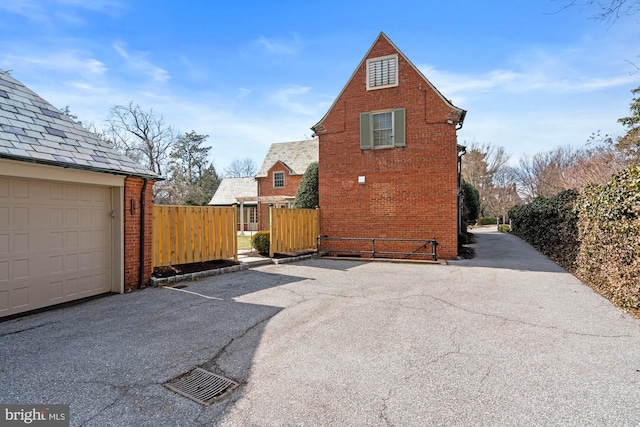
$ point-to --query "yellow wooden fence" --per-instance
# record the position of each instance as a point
(186, 234)
(292, 230)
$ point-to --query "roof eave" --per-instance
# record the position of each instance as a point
(80, 167)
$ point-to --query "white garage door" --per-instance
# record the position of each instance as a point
(55, 243)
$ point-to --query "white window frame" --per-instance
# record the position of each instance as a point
(275, 179)
(373, 129)
(382, 59)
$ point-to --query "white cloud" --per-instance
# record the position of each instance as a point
(519, 82)
(69, 61)
(138, 62)
(104, 6)
(279, 46)
(51, 12)
(291, 98)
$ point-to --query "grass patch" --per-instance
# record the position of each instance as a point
(244, 242)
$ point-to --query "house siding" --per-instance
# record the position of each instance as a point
(409, 192)
(132, 223)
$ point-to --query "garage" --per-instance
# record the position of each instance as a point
(55, 243)
(65, 234)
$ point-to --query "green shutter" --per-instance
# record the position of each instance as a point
(365, 131)
(399, 125)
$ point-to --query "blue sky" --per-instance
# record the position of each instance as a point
(251, 73)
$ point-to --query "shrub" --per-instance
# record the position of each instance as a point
(260, 241)
(595, 234)
(307, 195)
(471, 203)
(488, 220)
(550, 225)
(504, 228)
(609, 231)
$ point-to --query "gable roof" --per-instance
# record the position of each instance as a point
(231, 188)
(32, 130)
(459, 112)
(296, 156)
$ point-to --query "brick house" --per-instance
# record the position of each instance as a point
(388, 157)
(75, 214)
(280, 175)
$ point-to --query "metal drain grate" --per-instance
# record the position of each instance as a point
(201, 386)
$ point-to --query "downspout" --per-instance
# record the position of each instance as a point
(143, 203)
(460, 192)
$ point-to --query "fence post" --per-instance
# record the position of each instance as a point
(271, 233)
(235, 233)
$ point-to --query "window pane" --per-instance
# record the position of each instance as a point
(278, 179)
(382, 129)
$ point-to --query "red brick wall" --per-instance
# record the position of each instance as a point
(132, 192)
(409, 192)
(266, 188)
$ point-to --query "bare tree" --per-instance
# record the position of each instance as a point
(503, 194)
(140, 134)
(479, 166)
(608, 10)
(241, 168)
(549, 173)
(544, 174)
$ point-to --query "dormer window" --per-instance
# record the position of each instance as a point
(382, 72)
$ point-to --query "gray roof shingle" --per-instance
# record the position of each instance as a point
(33, 130)
(230, 188)
(297, 155)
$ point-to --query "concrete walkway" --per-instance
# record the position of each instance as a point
(507, 338)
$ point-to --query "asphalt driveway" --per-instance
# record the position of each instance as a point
(507, 338)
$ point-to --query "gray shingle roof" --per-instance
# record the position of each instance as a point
(230, 188)
(33, 130)
(296, 155)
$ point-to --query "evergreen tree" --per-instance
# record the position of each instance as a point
(471, 203)
(307, 195)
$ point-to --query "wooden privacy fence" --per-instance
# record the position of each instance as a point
(186, 234)
(292, 230)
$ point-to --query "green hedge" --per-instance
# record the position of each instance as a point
(260, 241)
(488, 220)
(594, 233)
(609, 232)
(549, 225)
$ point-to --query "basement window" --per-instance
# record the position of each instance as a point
(382, 72)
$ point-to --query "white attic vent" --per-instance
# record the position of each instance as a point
(382, 72)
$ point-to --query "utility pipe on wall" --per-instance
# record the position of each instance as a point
(143, 196)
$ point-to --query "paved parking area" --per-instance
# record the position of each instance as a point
(507, 338)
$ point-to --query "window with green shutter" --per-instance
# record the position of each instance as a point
(383, 129)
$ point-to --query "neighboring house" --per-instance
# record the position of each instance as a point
(71, 223)
(243, 192)
(280, 175)
(389, 161)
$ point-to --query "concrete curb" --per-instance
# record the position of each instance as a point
(196, 276)
(244, 265)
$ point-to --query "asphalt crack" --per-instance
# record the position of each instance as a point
(383, 415)
(27, 329)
